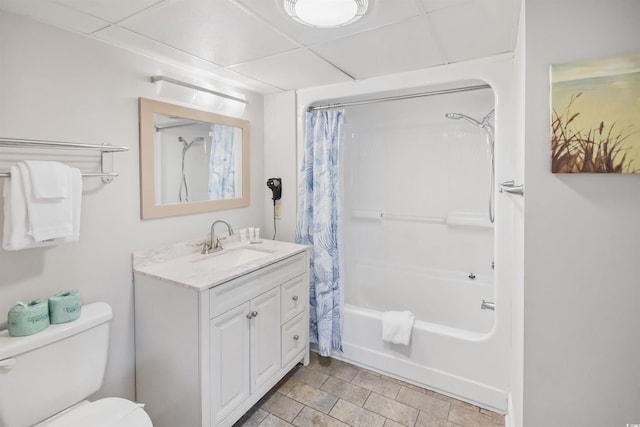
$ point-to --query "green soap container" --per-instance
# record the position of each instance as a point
(28, 319)
(64, 307)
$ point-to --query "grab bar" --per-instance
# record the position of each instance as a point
(487, 305)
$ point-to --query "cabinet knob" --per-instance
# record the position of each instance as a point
(295, 298)
(252, 315)
(296, 337)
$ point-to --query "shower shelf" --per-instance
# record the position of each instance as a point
(461, 219)
(106, 163)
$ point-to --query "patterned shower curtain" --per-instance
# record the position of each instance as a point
(222, 163)
(318, 225)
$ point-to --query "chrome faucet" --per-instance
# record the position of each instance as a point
(214, 244)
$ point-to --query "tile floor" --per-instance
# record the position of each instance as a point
(331, 393)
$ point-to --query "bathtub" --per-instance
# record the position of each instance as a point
(460, 351)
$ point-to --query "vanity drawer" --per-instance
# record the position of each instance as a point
(237, 291)
(294, 297)
(294, 337)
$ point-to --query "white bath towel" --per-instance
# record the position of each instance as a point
(397, 326)
(49, 180)
(17, 230)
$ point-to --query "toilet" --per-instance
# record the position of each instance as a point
(45, 378)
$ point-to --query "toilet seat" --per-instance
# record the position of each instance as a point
(108, 412)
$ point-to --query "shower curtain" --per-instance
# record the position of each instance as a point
(318, 225)
(222, 163)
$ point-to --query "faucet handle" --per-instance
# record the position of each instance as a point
(205, 248)
(217, 245)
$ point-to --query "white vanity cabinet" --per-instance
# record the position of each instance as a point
(205, 356)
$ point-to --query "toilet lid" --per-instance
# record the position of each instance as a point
(108, 412)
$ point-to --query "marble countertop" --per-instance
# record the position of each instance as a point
(183, 265)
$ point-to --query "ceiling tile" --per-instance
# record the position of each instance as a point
(395, 48)
(135, 42)
(384, 12)
(489, 29)
(109, 10)
(214, 30)
(229, 76)
(54, 14)
(293, 70)
(431, 5)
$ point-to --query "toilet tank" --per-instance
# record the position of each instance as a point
(45, 373)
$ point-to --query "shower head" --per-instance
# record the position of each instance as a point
(484, 124)
(458, 116)
(186, 144)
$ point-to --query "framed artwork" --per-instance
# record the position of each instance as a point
(595, 116)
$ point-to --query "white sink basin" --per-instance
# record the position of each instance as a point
(228, 259)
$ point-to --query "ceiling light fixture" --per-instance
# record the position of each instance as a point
(325, 13)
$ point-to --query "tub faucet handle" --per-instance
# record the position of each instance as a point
(488, 305)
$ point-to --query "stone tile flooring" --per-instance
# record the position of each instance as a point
(331, 393)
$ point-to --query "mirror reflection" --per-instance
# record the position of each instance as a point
(210, 157)
(191, 160)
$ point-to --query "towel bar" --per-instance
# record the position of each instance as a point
(105, 163)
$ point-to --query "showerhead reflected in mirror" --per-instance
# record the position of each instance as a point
(191, 160)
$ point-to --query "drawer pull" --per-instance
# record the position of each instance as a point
(296, 337)
(295, 298)
(252, 315)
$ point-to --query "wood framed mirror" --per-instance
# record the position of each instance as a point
(191, 161)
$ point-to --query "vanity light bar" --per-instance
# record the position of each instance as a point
(200, 88)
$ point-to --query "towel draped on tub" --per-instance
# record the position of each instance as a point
(397, 326)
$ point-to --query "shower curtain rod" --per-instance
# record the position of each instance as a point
(396, 98)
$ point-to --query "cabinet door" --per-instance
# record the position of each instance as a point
(265, 337)
(229, 341)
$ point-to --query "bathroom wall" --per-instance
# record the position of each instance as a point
(58, 85)
(582, 275)
(280, 162)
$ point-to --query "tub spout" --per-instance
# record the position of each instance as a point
(488, 305)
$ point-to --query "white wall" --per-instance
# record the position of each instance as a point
(582, 274)
(57, 85)
(280, 162)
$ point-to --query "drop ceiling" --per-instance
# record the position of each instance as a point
(252, 44)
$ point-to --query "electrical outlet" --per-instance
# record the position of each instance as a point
(277, 211)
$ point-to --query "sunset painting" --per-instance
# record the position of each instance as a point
(595, 116)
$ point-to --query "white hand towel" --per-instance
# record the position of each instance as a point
(48, 218)
(49, 180)
(16, 220)
(397, 326)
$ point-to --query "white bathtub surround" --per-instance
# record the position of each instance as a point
(430, 253)
(397, 326)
